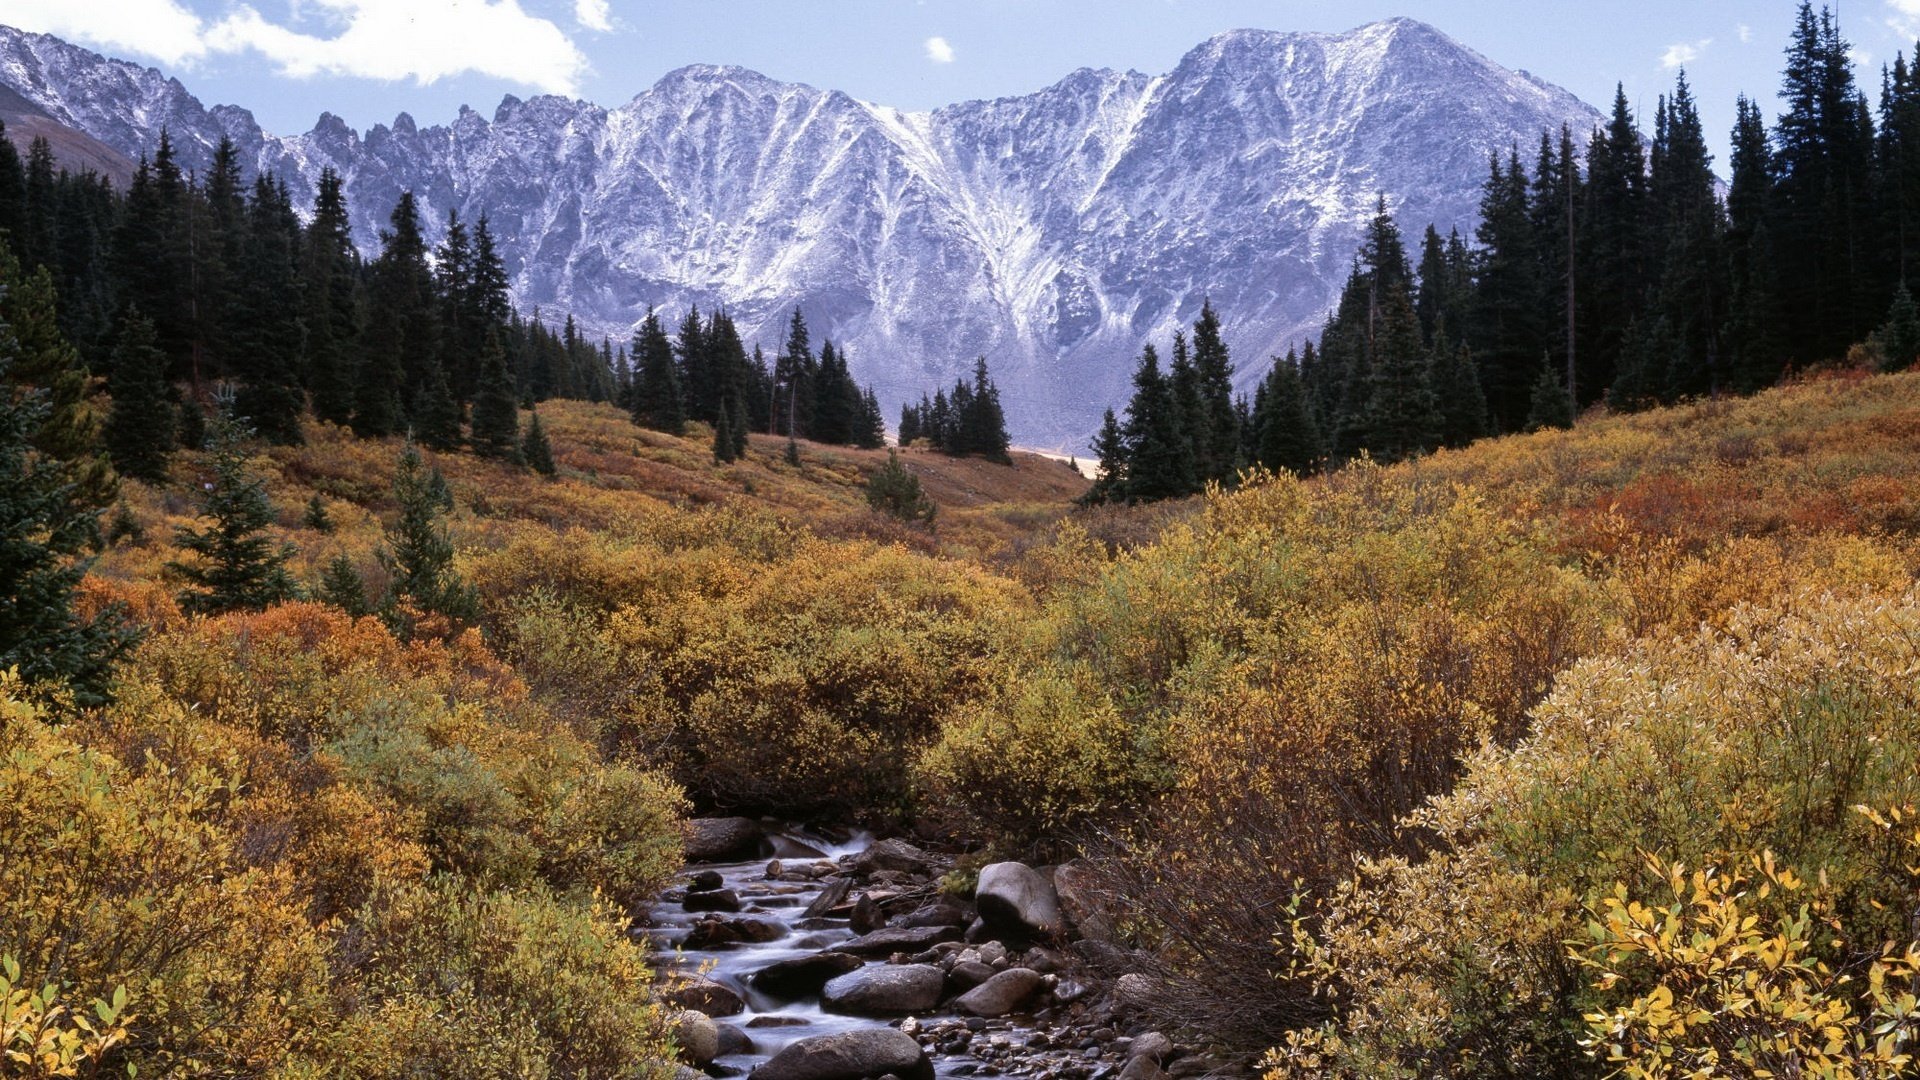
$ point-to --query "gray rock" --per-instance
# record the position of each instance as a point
(727, 839)
(968, 974)
(892, 855)
(1142, 1068)
(1132, 992)
(1004, 993)
(829, 898)
(941, 912)
(1014, 899)
(885, 990)
(1152, 1045)
(849, 1055)
(893, 939)
(704, 995)
(733, 1040)
(1075, 885)
(803, 976)
(697, 1037)
(715, 900)
(705, 881)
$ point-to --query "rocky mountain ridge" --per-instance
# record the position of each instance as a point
(1052, 232)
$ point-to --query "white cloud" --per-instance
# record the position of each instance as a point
(594, 14)
(1904, 17)
(1684, 53)
(160, 29)
(1746, 34)
(939, 51)
(422, 40)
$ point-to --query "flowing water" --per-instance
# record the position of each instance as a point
(771, 1023)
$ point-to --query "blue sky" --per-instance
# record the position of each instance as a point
(368, 59)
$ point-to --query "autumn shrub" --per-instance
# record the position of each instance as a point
(1704, 752)
(506, 984)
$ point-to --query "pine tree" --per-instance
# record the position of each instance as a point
(1159, 457)
(316, 517)
(1456, 388)
(1899, 337)
(1220, 456)
(984, 427)
(342, 586)
(43, 528)
(496, 411)
(1110, 447)
(436, 416)
(1552, 406)
(1195, 422)
(657, 397)
(419, 554)
(400, 340)
(44, 359)
(1403, 417)
(237, 566)
(1286, 437)
(870, 426)
(265, 333)
(793, 372)
(909, 425)
(140, 426)
(723, 452)
(894, 491)
(1508, 326)
(535, 450)
(331, 271)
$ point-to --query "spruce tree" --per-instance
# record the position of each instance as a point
(723, 452)
(400, 339)
(1159, 457)
(909, 424)
(342, 586)
(265, 333)
(1552, 406)
(986, 423)
(44, 526)
(894, 491)
(140, 425)
(419, 554)
(1220, 455)
(535, 450)
(436, 416)
(1403, 415)
(330, 295)
(46, 360)
(316, 517)
(236, 565)
(496, 410)
(1456, 388)
(657, 395)
(1899, 336)
(1110, 447)
(1286, 436)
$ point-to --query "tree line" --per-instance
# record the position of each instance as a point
(969, 420)
(183, 283)
(705, 374)
(1617, 273)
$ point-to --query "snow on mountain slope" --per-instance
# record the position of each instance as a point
(1052, 232)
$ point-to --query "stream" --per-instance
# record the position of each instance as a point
(769, 1022)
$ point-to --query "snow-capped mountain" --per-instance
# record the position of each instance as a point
(1052, 232)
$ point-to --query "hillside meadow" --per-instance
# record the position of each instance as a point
(1569, 754)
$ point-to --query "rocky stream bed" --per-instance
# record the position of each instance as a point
(795, 957)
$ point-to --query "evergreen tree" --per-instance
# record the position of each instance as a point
(894, 491)
(909, 424)
(342, 586)
(496, 411)
(1755, 340)
(1110, 446)
(45, 360)
(535, 449)
(1509, 306)
(1159, 457)
(43, 528)
(1613, 242)
(317, 518)
(723, 452)
(237, 566)
(400, 343)
(265, 333)
(1286, 436)
(1456, 387)
(984, 427)
(870, 427)
(793, 370)
(835, 399)
(140, 426)
(1184, 380)
(436, 416)
(1552, 406)
(1219, 457)
(1403, 418)
(331, 272)
(657, 398)
(1899, 337)
(419, 554)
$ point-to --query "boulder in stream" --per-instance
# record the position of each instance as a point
(1014, 899)
(849, 1055)
(803, 976)
(726, 839)
(885, 990)
(902, 939)
(704, 995)
(1006, 992)
(897, 855)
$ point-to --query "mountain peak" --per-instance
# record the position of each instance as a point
(1050, 231)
